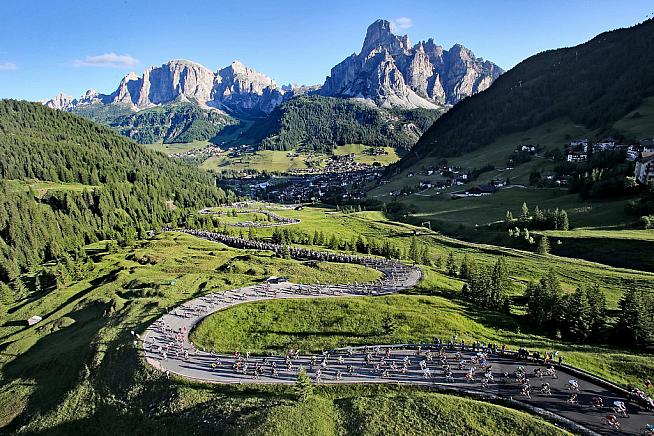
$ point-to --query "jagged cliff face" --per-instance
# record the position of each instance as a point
(239, 89)
(60, 101)
(388, 71)
(392, 73)
(235, 89)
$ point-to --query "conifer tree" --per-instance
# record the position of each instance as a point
(467, 267)
(565, 223)
(426, 256)
(632, 327)
(524, 213)
(577, 316)
(439, 262)
(413, 250)
(499, 282)
(543, 245)
(450, 265)
(303, 386)
(597, 303)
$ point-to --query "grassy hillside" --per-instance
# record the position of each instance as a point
(121, 190)
(281, 161)
(366, 411)
(593, 84)
(522, 113)
(419, 319)
(102, 385)
(523, 265)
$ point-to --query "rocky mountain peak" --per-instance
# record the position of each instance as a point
(237, 71)
(380, 35)
(60, 101)
(235, 88)
(390, 72)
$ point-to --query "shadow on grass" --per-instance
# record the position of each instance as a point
(304, 334)
(54, 363)
(17, 323)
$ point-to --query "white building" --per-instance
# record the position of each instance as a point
(644, 170)
(575, 156)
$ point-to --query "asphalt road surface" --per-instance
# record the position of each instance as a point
(166, 346)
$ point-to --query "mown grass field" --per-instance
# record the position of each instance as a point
(480, 211)
(390, 157)
(280, 161)
(262, 160)
(78, 370)
(365, 410)
(523, 265)
(625, 247)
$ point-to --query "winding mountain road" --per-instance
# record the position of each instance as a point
(166, 346)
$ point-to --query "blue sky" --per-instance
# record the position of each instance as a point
(49, 46)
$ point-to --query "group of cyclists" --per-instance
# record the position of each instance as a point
(455, 361)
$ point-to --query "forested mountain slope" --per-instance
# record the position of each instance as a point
(130, 189)
(172, 123)
(320, 123)
(593, 84)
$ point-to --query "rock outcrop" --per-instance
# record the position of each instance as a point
(239, 89)
(234, 89)
(392, 73)
(60, 101)
(388, 72)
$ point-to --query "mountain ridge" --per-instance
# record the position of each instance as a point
(232, 89)
(391, 72)
(593, 83)
(388, 71)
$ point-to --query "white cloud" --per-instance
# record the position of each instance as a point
(401, 23)
(7, 66)
(107, 60)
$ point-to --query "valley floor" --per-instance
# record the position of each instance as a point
(86, 335)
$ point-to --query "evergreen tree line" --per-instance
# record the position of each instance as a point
(485, 287)
(131, 190)
(419, 253)
(582, 315)
(67, 268)
(321, 123)
(547, 219)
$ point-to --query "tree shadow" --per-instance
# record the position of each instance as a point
(54, 363)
